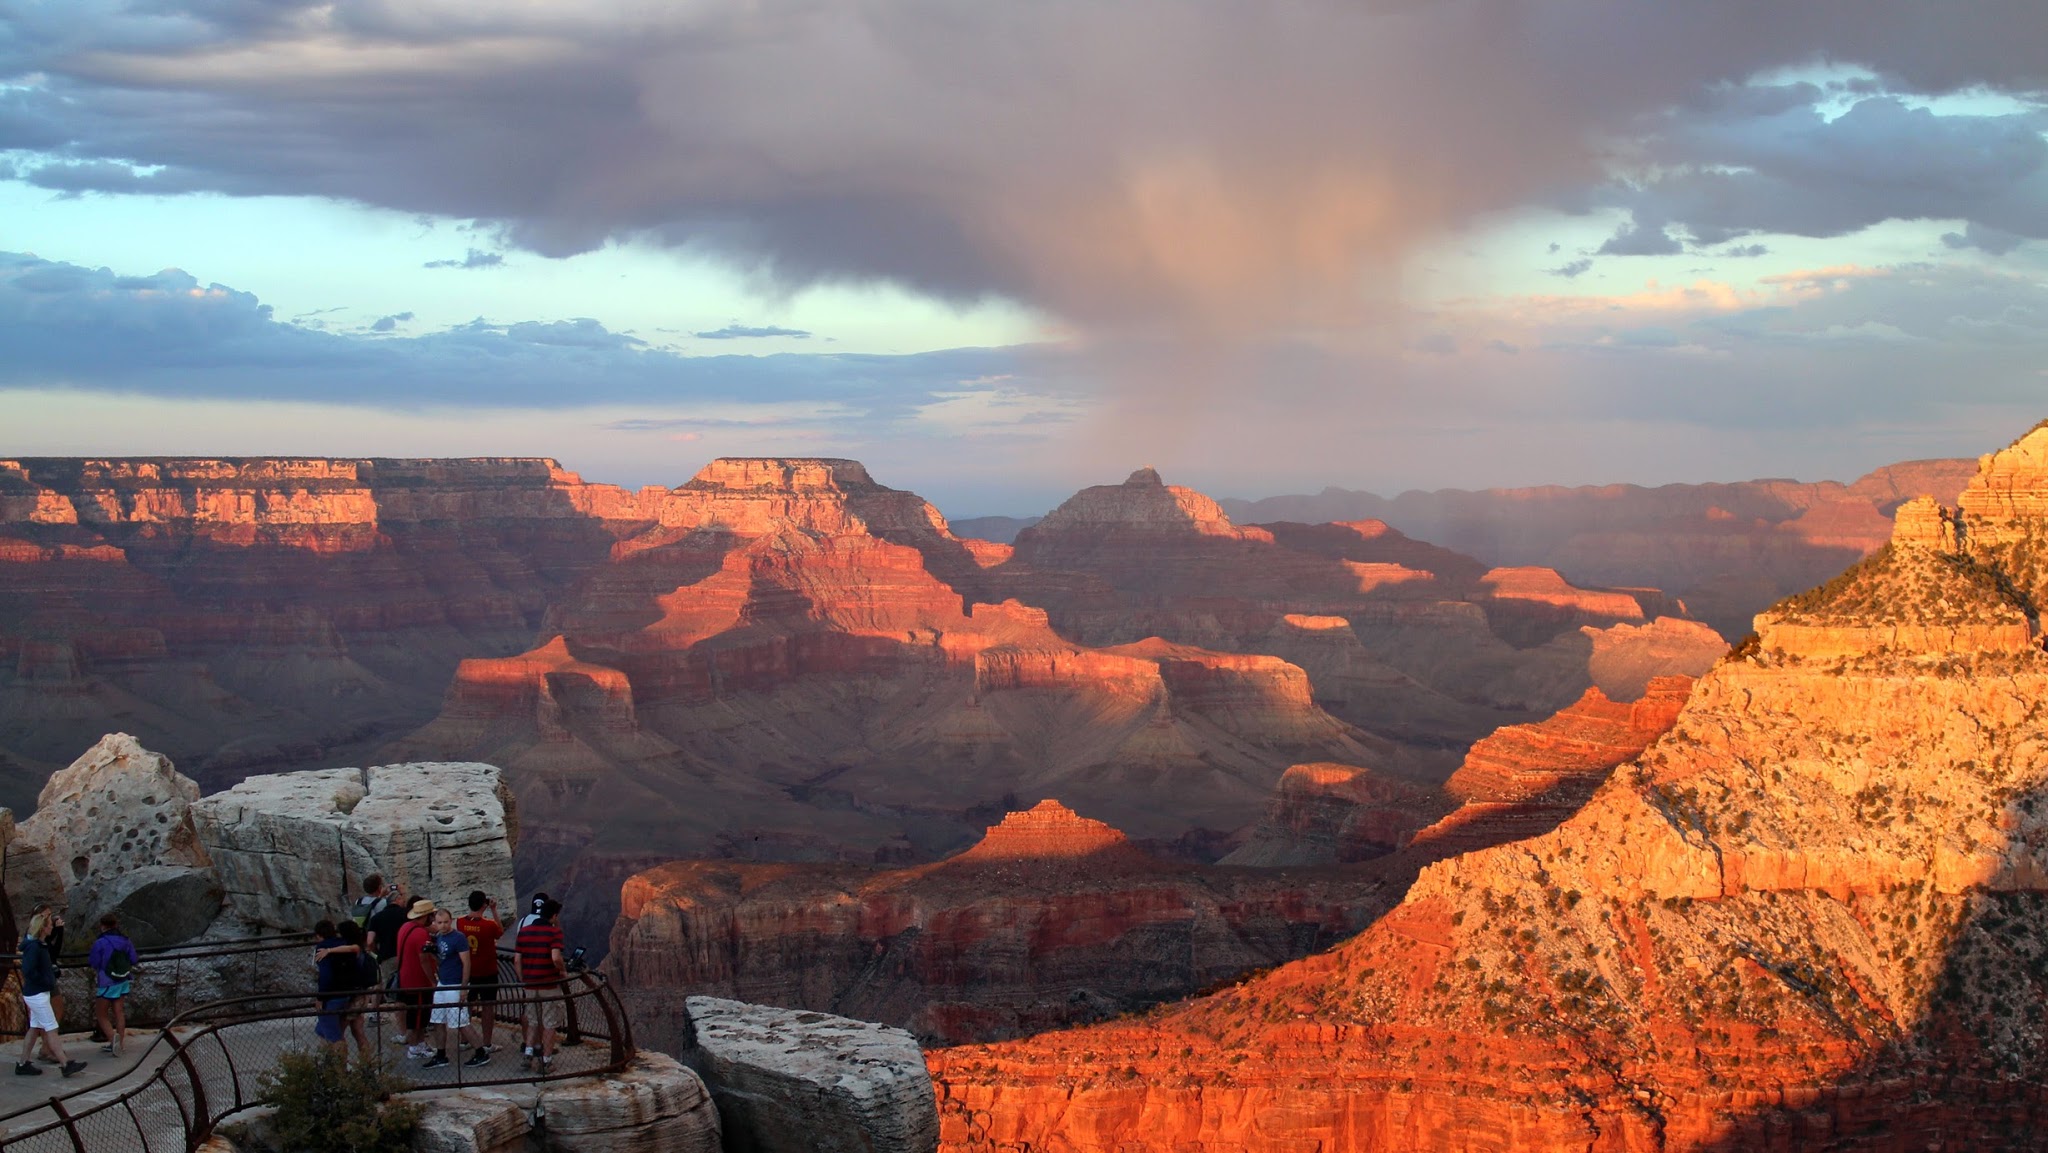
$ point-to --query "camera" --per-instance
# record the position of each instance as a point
(576, 963)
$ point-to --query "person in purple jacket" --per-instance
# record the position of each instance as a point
(113, 962)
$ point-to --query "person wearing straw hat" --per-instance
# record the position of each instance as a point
(415, 975)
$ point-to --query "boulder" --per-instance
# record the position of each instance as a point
(294, 847)
(470, 1121)
(788, 1081)
(655, 1106)
(117, 810)
(158, 904)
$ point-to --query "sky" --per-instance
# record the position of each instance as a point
(999, 252)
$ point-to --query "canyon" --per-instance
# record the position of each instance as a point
(780, 660)
(1806, 916)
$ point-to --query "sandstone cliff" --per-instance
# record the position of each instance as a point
(1809, 916)
(1051, 919)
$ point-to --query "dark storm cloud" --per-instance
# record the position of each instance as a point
(744, 331)
(1767, 160)
(1995, 241)
(169, 335)
(1187, 161)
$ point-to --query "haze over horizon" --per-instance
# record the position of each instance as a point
(998, 255)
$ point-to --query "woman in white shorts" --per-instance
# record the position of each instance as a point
(38, 981)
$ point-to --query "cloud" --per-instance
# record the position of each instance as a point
(1635, 239)
(1745, 251)
(1573, 270)
(1994, 241)
(166, 334)
(1189, 163)
(474, 258)
(742, 331)
(1768, 160)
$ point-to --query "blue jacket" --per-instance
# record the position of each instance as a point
(38, 968)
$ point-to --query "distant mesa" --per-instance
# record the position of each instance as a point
(1046, 831)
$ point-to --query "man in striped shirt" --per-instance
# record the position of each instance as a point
(542, 972)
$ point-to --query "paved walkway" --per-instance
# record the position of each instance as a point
(233, 1057)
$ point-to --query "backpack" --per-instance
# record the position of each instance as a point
(120, 964)
(367, 908)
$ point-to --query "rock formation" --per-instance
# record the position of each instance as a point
(655, 1106)
(294, 847)
(113, 833)
(1808, 916)
(1052, 919)
(796, 1082)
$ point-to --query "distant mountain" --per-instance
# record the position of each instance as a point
(1726, 550)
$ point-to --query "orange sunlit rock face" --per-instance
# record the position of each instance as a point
(1052, 918)
(1810, 915)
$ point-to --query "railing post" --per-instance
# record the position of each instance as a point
(614, 1024)
(70, 1126)
(574, 1036)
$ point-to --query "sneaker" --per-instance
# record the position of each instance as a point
(27, 1069)
(437, 1061)
(71, 1067)
(481, 1057)
(417, 1051)
(547, 1064)
(108, 1048)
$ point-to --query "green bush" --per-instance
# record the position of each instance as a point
(326, 1104)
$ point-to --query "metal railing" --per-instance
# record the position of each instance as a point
(208, 1063)
(166, 978)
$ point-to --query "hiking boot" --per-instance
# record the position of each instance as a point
(480, 1057)
(71, 1067)
(26, 1069)
(437, 1061)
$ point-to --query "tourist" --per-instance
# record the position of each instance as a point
(533, 910)
(542, 973)
(346, 968)
(38, 981)
(382, 928)
(372, 902)
(415, 980)
(480, 928)
(113, 960)
(451, 991)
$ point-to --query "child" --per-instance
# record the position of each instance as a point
(113, 960)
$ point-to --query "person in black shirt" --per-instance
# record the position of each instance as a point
(382, 931)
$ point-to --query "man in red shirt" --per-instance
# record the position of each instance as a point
(416, 975)
(481, 926)
(542, 972)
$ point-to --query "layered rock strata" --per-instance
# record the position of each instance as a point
(1809, 916)
(1053, 918)
(787, 1081)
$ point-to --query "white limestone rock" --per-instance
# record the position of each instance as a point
(470, 1121)
(790, 1081)
(294, 847)
(655, 1106)
(117, 808)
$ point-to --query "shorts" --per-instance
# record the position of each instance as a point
(482, 991)
(415, 1002)
(448, 1007)
(545, 1004)
(39, 1014)
(115, 991)
(329, 1026)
